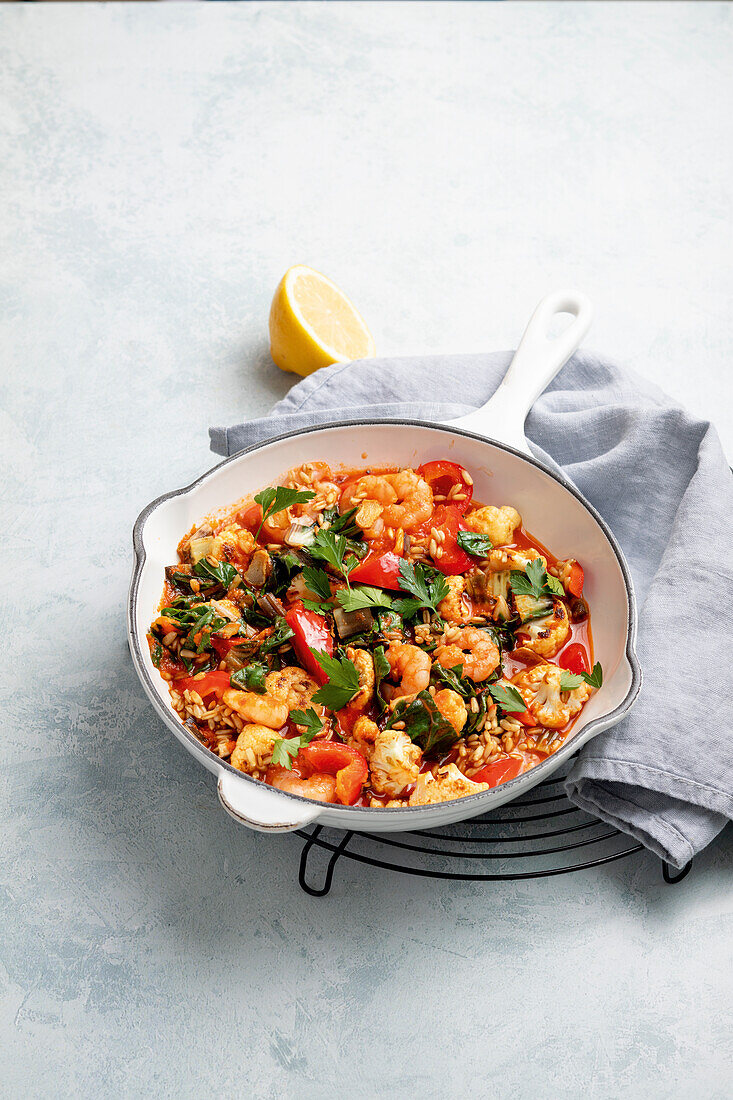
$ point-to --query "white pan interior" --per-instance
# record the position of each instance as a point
(550, 512)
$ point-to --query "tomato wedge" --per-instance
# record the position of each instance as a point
(445, 478)
(382, 570)
(450, 559)
(331, 758)
(212, 683)
(574, 658)
(311, 632)
(576, 578)
(498, 771)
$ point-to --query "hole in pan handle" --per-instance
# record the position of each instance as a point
(536, 362)
(261, 807)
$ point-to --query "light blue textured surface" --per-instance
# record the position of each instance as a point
(161, 167)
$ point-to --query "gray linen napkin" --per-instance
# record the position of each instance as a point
(660, 479)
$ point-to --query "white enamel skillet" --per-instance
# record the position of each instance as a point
(490, 443)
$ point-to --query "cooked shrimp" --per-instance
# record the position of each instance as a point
(457, 606)
(293, 687)
(262, 710)
(365, 667)
(406, 500)
(411, 666)
(472, 648)
(452, 707)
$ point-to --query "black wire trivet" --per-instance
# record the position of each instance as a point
(536, 837)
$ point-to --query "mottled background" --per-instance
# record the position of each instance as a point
(447, 164)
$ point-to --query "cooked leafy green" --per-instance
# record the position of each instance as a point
(284, 566)
(424, 724)
(281, 634)
(220, 573)
(250, 678)
(474, 543)
(342, 524)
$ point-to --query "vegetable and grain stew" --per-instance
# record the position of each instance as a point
(374, 637)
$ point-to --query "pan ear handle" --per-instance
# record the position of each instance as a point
(536, 362)
(262, 807)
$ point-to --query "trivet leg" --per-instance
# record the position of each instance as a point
(673, 877)
(319, 892)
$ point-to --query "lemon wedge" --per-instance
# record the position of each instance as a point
(313, 324)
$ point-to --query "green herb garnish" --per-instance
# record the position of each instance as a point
(535, 581)
(508, 698)
(343, 681)
(571, 680)
(355, 599)
(317, 581)
(156, 654)
(427, 591)
(277, 500)
(333, 548)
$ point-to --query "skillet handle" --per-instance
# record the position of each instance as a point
(261, 807)
(536, 362)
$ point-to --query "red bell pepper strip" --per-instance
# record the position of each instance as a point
(574, 658)
(451, 559)
(212, 683)
(223, 645)
(442, 476)
(311, 632)
(332, 758)
(498, 771)
(576, 577)
(382, 570)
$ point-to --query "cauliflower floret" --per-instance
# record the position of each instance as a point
(501, 560)
(233, 543)
(499, 524)
(452, 707)
(540, 688)
(395, 762)
(253, 750)
(456, 607)
(449, 783)
(545, 636)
